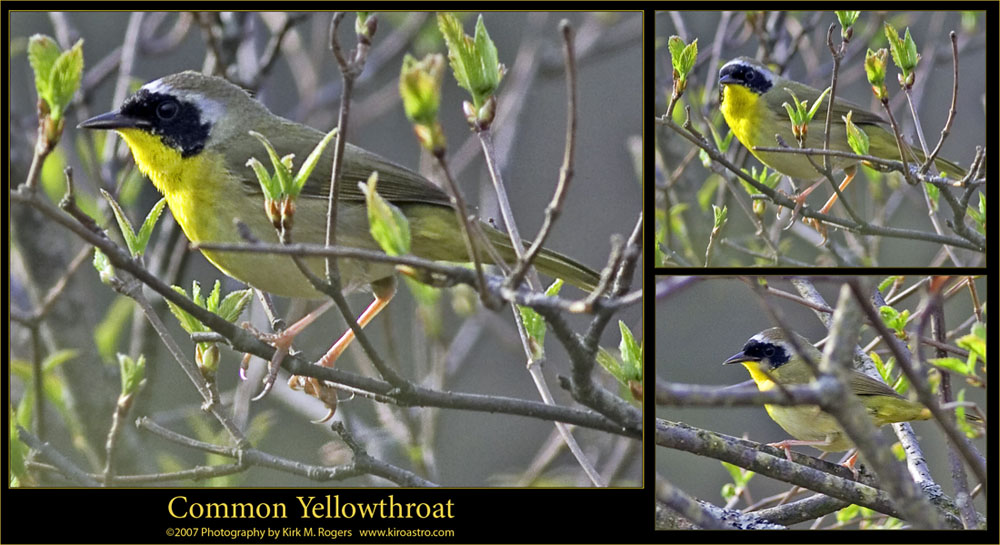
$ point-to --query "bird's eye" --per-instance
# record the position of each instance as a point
(167, 110)
(750, 75)
(768, 351)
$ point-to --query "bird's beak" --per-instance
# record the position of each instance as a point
(112, 121)
(739, 357)
(727, 78)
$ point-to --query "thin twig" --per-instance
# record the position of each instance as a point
(110, 444)
(464, 222)
(67, 467)
(946, 130)
(554, 207)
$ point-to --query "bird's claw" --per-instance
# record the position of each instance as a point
(820, 227)
(320, 390)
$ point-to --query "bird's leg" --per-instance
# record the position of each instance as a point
(797, 443)
(800, 200)
(848, 176)
(384, 290)
(851, 462)
(282, 342)
(849, 173)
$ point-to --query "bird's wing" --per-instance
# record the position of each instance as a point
(395, 183)
(861, 116)
(862, 384)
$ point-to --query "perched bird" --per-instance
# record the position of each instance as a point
(771, 360)
(751, 102)
(190, 134)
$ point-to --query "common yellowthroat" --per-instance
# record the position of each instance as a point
(189, 133)
(751, 102)
(770, 358)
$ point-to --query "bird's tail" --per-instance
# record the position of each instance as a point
(548, 262)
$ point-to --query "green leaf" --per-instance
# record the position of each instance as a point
(979, 329)
(735, 472)
(132, 371)
(816, 104)
(911, 49)
(611, 364)
(887, 313)
(268, 184)
(875, 62)
(847, 18)
(974, 343)
(534, 324)
(281, 172)
(65, 78)
(739, 475)
(474, 61)
(688, 57)
(728, 491)
(420, 87)
(310, 163)
(904, 54)
(136, 243)
(719, 215)
(979, 216)
(554, 288)
(212, 303)
(879, 365)
(454, 37)
(628, 368)
(535, 327)
(42, 54)
(187, 321)
(196, 294)
(952, 364)
(682, 57)
(676, 47)
(489, 62)
(895, 46)
(387, 223)
(234, 304)
(933, 195)
(124, 225)
(360, 23)
(57, 358)
(103, 266)
(848, 514)
(147, 225)
(894, 319)
(887, 282)
(960, 418)
(856, 137)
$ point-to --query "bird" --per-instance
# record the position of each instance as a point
(772, 360)
(190, 134)
(751, 98)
